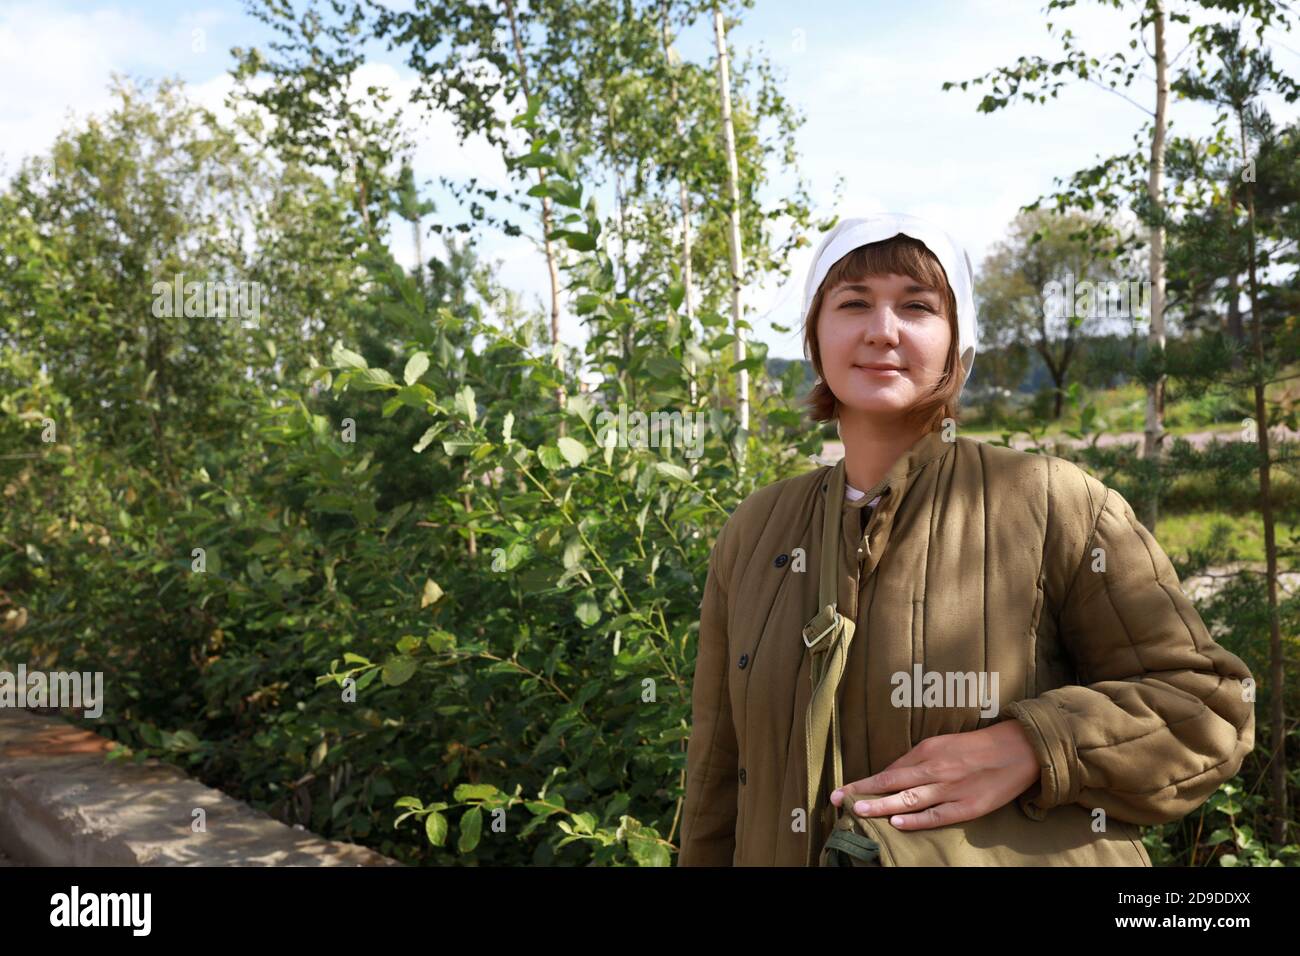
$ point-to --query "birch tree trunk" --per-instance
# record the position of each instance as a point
(685, 203)
(556, 352)
(733, 175)
(419, 250)
(1155, 409)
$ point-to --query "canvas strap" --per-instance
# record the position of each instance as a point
(827, 636)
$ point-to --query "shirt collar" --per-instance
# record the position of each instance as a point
(924, 450)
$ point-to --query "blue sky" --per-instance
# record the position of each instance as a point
(867, 75)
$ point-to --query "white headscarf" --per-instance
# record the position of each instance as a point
(848, 234)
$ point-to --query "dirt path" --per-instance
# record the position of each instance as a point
(834, 450)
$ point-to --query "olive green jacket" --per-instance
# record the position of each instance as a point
(978, 558)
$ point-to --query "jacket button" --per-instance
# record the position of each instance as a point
(781, 560)
(742, 774)
(744, 659)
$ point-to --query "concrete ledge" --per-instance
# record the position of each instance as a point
(61, 804)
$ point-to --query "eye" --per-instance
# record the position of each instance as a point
(852, 303)
(920, 304)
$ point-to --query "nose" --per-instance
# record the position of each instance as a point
(881, 327)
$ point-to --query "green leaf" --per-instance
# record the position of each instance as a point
(346, 358)
(676, 472)
(581, 241)
(413, 802)
(416, 366)
(431, 593)
(394, 517)
(550, 457)
(265, 546)
(435, 828)
(663, 366)
(465, 403)
(440, 640)
(471, 828)
(573, 552)
(372, 379)
(751, 364)
(184, 740)
(567, 194)
(588, 612)
(398, 670)
(579, 405)
(516, 553)
(536, 159)
(574, 452)
(426, 438)
(474, 791)
(676, 293)
(416, 396)
(646, 851)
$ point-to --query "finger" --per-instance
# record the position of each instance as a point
(896, 777)
(908, 801)
(938, 815)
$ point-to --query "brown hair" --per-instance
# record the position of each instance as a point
(900, 255)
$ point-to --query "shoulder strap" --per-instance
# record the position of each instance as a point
(828, 636)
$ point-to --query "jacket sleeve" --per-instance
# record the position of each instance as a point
(709, 810)
(1161, 714)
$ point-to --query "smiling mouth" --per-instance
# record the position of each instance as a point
(879, 368)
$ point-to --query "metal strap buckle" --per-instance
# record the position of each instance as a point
(829, 627)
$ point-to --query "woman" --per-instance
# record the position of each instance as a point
(1018, 576)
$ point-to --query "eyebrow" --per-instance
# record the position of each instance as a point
(911, 289)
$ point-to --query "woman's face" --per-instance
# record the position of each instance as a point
(883, 342)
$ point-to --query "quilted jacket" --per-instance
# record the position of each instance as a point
(977, 558)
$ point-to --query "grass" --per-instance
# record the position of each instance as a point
(1241, 534)
(1189, 519)
(1123, 409)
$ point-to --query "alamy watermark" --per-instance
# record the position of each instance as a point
(130, 910)
(946, 689)
(53, 689)
(1096, 300)
(208, 300)
(656, 430)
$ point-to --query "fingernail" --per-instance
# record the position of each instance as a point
(896, 821)
(863, 806)
(835, 793)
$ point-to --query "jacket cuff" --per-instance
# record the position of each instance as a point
(1053, 744)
